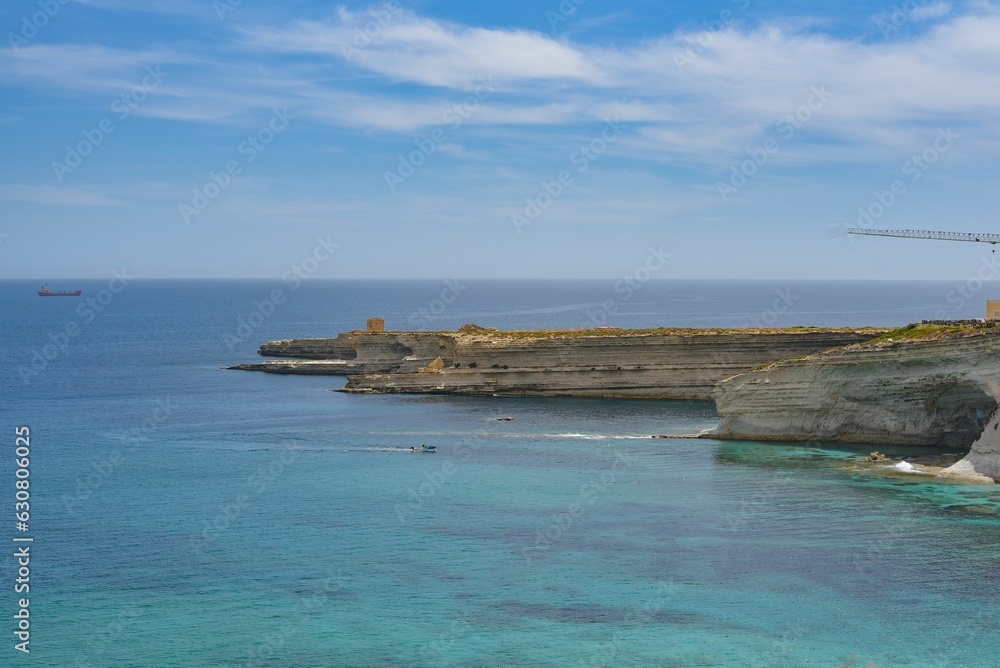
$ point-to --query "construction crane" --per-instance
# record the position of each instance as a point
(927, 234)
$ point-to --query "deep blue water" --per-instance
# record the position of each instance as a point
(188, 516)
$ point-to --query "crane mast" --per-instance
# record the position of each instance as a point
(928, 234)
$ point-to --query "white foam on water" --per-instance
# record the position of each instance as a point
(907, 467)
(376, 448)
(596, 437)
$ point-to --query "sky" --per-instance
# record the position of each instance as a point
(548, 139)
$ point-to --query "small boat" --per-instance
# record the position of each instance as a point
(424, 448)
(45, 292)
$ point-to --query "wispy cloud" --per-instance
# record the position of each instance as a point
(66, 69)
(406, 47)
(402, 76)
(951, 73)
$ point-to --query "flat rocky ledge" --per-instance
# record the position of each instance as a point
(662, 363)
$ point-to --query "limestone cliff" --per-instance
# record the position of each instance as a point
(659, 363)
(922, 385)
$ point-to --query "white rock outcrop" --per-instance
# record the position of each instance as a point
(939, 392)
(983, 460)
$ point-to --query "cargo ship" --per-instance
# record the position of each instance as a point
(45, 292)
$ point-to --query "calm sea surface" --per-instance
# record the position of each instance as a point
(183, 515)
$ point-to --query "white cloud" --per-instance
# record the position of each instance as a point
(736, 86)
(702, 104)
(406, 47)
(85, 68)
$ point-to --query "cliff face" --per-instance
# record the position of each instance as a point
(664, 364)
(355, 353)
(904, 392)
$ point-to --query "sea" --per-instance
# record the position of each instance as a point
(185, 515)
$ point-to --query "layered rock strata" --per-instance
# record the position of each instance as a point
(927, 386)
(661, 364)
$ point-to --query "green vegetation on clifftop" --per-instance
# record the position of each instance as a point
(661, 331)
(929, 332)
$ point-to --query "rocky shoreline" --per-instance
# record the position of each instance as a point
(933, 384)
(924, 385)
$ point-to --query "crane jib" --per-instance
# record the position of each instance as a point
(927, 234)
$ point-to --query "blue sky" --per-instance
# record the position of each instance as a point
(520, 139)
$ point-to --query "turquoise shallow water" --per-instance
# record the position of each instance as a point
(187, 516)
